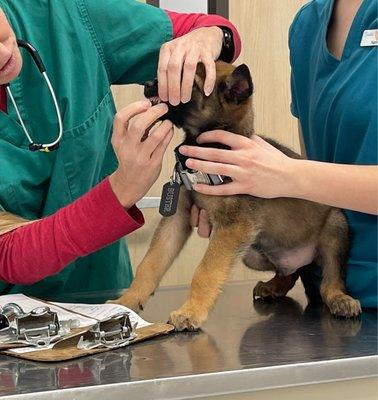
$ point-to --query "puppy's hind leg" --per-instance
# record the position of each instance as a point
(167, 242)
(333, 253)
(277, 287)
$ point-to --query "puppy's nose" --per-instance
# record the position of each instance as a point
(150, 84)
(151, 88)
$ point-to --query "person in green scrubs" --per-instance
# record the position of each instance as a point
(334, 59)
(86, 46)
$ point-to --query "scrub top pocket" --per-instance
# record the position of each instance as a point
(86, 150)
(8, 200)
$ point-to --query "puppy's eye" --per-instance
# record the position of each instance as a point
(222, 86)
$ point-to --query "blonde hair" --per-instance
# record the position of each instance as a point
(10, 222)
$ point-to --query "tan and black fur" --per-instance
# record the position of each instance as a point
(256, 230)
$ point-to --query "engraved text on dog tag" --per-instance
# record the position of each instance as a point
(169, 199)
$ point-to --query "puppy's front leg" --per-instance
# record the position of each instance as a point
(168, 240)
(209, 277)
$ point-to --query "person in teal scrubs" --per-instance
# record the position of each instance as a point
(86, 46)
(334, 59)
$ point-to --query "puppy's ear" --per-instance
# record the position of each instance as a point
(239, 85)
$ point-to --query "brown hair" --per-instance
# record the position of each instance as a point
(10, 222)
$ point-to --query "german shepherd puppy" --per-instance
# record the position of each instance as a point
(268, 234)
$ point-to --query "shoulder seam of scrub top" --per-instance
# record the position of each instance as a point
(88, 24)
(292, 32)
(294, 24)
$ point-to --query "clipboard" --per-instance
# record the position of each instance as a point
(73, 344)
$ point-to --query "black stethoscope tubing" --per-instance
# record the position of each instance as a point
(33, 146)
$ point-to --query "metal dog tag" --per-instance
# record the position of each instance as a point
(170, 195)
(169, 199)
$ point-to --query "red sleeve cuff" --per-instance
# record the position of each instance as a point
(184, 23)
(123, 221)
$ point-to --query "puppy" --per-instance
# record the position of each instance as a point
(278, 235)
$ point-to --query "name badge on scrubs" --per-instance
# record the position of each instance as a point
(370, 38)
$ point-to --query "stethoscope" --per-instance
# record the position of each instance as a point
(46, 147)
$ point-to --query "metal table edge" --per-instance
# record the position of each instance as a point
(220, 383)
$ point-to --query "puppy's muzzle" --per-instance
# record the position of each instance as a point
(151, 92)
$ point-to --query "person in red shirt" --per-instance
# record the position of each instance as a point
(68, 246)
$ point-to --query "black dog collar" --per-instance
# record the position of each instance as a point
(190, 177)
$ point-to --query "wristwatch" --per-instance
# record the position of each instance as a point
(228, 47)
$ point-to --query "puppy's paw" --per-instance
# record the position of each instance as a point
(345, 306)
(267, 290)
(128, 300)
(187, 319)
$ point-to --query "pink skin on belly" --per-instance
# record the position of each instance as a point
(291, 260)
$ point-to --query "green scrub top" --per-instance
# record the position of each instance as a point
(336, 103)
(86, 46)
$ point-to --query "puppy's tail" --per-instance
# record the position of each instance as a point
(10, 222)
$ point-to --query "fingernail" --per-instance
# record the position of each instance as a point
(208, 90)
(146, 103)
(183, 149)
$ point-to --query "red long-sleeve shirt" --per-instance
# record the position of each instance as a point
(42, 248)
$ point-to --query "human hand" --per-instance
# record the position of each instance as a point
(256, 167)
(139, 152)
(178, 63)
(200, 219)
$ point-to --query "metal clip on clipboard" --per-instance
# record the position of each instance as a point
(113, 332)
(39, 328)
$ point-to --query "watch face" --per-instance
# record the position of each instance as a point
(227, 53)
(227, 38)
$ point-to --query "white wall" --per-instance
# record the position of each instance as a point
(185, 5)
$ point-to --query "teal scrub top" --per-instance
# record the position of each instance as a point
(86, 46)
(336, 103)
